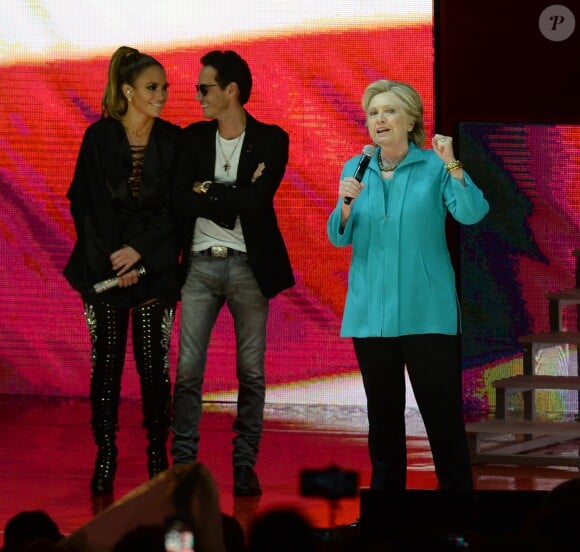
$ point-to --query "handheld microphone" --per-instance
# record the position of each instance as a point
(365, 159)
(111, 283)
(105, 285)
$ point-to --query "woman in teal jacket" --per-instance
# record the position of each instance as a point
(401, 305)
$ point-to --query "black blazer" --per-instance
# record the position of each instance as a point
(106, 217)
(252, 202)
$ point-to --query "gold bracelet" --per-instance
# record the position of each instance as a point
(453, 166)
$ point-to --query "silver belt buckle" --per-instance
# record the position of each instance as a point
(219, 251)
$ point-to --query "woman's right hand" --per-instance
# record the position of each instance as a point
(349, 187)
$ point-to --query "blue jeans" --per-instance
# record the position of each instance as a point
(210, 283)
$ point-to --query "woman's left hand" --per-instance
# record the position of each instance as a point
(123, 259)
(443, 147)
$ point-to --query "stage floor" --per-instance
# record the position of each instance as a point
(47, 454)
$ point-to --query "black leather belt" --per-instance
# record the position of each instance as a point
(219, 251)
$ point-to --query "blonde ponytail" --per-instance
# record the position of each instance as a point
(125, 66)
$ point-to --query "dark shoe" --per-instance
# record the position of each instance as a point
(246, 482)
(151, 329)
(100, 502)
(104, 472)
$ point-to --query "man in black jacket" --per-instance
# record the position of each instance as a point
(229, 170)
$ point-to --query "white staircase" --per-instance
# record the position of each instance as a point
(527, 440)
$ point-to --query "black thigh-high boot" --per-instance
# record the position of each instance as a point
(152, 324)
(108, 330)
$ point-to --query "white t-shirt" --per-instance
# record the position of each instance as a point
(207, 233)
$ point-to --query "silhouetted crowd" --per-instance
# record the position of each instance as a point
(199, 525)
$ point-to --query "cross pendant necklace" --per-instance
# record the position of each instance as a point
(227, 164)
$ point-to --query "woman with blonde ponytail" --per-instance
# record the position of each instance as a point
(125, 262)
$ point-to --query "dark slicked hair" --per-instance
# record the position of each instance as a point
(230, 67)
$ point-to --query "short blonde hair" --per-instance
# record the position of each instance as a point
(411, 100)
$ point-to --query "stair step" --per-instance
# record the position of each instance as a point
(516, 384)
(523, 459)
(551, 338)
(532, 445)
(570, 296)
(525, 427)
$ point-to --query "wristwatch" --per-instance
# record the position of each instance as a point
(204, 186)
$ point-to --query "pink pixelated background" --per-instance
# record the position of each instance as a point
(310, 83)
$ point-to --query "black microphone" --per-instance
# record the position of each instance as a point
(365, 159)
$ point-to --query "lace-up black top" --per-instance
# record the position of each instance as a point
(121, 195)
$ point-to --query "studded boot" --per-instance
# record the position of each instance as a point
(108, 330)
(152, 325)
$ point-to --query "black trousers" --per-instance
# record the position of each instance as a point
(434, 369)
